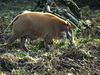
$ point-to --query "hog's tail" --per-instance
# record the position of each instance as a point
(11, 23)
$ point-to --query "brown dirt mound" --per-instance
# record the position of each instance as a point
(8, 62)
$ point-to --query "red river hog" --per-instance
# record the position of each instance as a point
(39, 25)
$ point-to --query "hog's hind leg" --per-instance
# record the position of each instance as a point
(11, 39)
(23, 41)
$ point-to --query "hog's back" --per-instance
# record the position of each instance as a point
(38, 24)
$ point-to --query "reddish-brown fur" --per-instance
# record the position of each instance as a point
(38, 25)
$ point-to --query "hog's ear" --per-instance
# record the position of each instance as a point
(69, 25)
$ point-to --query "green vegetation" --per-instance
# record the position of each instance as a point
(62, 58)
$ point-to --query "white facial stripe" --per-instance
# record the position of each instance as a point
(69, 34)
